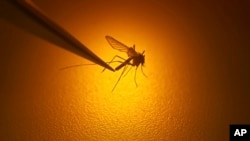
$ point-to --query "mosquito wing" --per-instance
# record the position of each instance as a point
(116, 44)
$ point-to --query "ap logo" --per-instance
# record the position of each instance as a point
(239, 132)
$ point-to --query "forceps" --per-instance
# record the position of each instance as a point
(82, 50)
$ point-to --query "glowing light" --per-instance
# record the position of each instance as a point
(193, 61)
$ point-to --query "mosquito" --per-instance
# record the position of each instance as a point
(135, 59)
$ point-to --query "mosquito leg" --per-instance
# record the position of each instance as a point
(135, 76)
(73, 66)
(127, 71)
(124, 69)
(143, 72)
(114, 61)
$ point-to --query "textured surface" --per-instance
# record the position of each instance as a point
(195, 61)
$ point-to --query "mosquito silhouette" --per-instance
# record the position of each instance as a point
(135, 59)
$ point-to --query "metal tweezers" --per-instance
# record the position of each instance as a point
(62, 33)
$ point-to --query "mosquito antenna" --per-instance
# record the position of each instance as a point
(143, 72)
(135, 76)
(124, 69)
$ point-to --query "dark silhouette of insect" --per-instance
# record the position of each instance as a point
(135, 59)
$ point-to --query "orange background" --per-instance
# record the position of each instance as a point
(196, 63)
